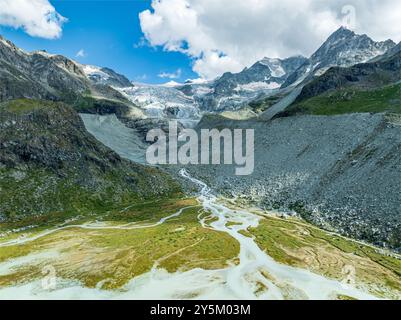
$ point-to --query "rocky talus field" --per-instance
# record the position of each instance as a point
(340, 172)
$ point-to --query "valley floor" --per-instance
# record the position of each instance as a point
(201, 248)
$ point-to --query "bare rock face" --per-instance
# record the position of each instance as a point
(38, 74)
(232, 90)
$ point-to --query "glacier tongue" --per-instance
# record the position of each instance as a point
(162, 102)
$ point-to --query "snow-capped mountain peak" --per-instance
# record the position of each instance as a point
(95, 74)
(275, 66)
(171, 84)
(105, 76)
(343, 48)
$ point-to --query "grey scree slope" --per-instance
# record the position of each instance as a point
(341, 172)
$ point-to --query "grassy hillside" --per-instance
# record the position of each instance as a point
(50, 166)
(261, 105)
(351, 100)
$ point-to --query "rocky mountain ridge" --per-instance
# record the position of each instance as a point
(343, 48)
(40, 75)
(54, 77)
(373, 86)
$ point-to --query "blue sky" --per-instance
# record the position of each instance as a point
(109, 33)
(187, 39)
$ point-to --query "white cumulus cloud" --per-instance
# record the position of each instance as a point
(81, 54)
(38, 18)
(227, 35)
(171, 75)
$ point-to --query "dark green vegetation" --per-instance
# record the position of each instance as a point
(262, 104)
(88, 104)
(350, 100)
(50, 165)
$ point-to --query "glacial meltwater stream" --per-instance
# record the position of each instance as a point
(255, 276)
